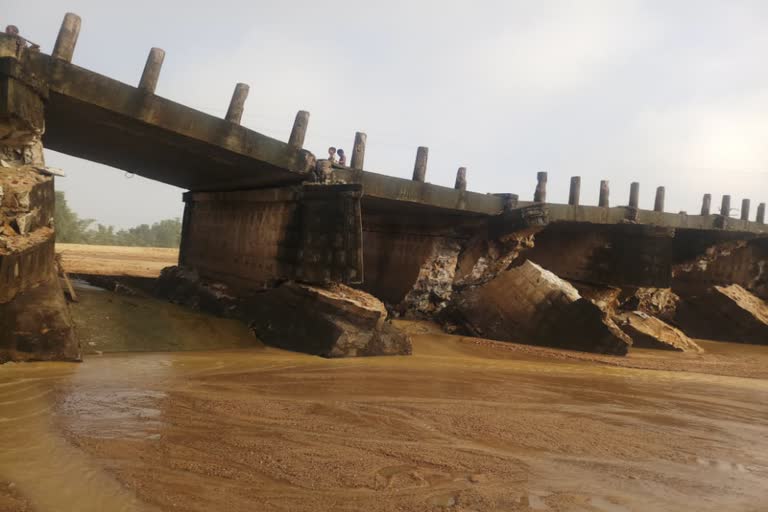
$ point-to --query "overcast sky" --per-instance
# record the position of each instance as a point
(670, 93)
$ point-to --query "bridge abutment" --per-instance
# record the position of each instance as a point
(35, 323)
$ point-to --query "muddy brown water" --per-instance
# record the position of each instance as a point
(459, 425)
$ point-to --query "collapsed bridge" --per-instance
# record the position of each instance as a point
(260, 212)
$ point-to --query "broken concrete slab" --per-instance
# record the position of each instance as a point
(658, 302)
(727, 313)
(330, 321)
(650, 332)
(532, 305)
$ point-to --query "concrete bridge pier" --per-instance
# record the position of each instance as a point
(35, 323)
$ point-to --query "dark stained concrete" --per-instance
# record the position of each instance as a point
(97, 118)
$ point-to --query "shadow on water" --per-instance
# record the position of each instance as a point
(114, 322)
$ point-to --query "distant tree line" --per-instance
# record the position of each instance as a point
(70, 228)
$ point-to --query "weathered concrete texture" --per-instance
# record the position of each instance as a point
(658, 302)
(728, 313)
(36, 326)
(532, 305)
(742, 262)
(650, 332)
(331, 321)
(620, 255)
(434, 285)
(482, 258)
(97, 118)
(256, 238)
(605, 297)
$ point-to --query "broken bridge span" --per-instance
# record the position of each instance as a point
(259, 211)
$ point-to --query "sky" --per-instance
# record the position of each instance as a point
(671, 93)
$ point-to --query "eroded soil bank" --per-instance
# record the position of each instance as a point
(460, 425)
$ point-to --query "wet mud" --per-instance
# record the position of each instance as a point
(460, 425)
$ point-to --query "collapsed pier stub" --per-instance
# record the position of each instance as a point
(540, 194)
(461, 179)
(761, 213)
(745, 204)
(725, 206)
(151, 73)
(575, 191)
(605, 191)
(299, 130)
(358, 151)
(420, 166)
(634, 195)
(706, 204)
(67, 38)
(237, 104)
(658, 204)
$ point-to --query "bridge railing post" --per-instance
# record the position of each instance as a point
(706, 204)
(725, 206)
(540, 194)
(761, 213)
(605, 192)
(461, 179)
(420, 166)
(574, 192)
(658, 205)
(237, 104)
(358, 151)
(745, 204)
(67, 38)
(299, 130)
(151, 73)
(634, 195)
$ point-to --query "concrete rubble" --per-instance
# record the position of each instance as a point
(434, 285)
(650, 332)
(532, 305)
(658, 302)
(35, 322)
(728, 313)
(331, 321)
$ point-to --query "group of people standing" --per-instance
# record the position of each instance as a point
(337, 156)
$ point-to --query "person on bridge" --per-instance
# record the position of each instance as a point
(342, 157)
(332, 154)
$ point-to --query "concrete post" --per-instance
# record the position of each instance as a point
(706, 204)
(237, 104)
(358, 151)
(658, 205)
(725, 206)
(761, 213)
(575, 191)
(420, 167)
(299, 131)
(540, 194)
(634, 195)
(605, 191)
(151, 74)
(745, 209)
(461, 179)
(67, 38)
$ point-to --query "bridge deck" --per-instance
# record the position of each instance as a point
(91, 116)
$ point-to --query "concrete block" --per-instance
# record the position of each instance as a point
(545, 311)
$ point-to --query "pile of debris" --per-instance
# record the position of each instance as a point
(35, 323)
(330, 320)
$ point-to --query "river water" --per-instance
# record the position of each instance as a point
(460, 425)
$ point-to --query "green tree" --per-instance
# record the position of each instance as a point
(70, 228)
